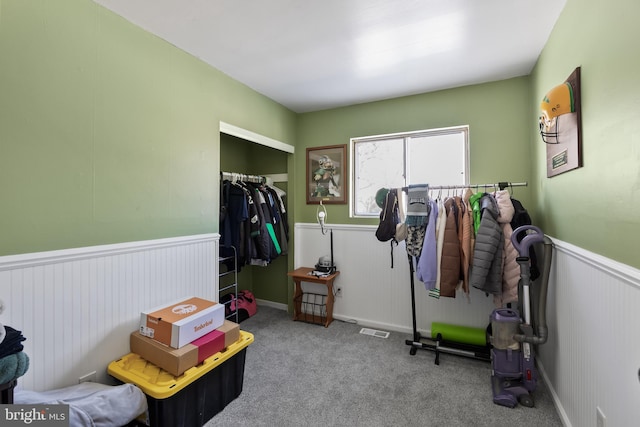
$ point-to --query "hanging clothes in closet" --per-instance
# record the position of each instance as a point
(255, 219)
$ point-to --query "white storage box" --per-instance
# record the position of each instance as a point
(181, 322)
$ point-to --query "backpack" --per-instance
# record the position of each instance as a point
(245, 304)
(389, 217)
(521, 217)
(389, 220)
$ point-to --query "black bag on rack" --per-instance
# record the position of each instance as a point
(389, 217)
(389, 220)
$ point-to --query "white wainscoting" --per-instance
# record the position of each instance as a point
(376, 295)
(592, 356)
(77, 307)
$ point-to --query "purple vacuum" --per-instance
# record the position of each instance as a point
(513, 370)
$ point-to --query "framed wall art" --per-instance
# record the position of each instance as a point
(561, 126)
(326, 174)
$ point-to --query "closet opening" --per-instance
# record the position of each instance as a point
(247, 153)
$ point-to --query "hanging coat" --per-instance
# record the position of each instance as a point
(510, 268)
(259, 234)
(440, 226)
(267, 235)
(279, 213)
(467, 199)
(235, 218)
(450, 262)
(427, 265)
(486, 270)
(272, 218)
(466, 240)
(476, 208)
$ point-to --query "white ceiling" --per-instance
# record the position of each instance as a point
(313, 55)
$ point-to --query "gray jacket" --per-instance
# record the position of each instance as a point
(486, 269)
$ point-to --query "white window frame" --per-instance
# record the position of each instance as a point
(406, 138)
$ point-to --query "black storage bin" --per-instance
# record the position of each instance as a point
(193, 398)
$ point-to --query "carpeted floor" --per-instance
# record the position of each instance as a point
(299, 374)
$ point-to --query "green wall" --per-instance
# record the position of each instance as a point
(108, 133)
(497, 114)
(597, 206)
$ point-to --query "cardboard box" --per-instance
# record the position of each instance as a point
(231, 332)
(181, 322)
(173, 360)
(177, 360)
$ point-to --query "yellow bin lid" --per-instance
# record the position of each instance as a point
(160, 384)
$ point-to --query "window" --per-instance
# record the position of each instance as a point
(434, 157)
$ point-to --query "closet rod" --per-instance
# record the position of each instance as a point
(501, 185)
(233, 176)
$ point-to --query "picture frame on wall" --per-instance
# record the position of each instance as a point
(326, 174)
(561, 126)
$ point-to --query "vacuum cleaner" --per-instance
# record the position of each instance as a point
(514, 332)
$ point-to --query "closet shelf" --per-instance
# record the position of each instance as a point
(228, 292)
(226, 288)
(226, 273)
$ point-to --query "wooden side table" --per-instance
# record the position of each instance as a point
(300, 275)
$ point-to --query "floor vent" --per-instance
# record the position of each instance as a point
(374, 332)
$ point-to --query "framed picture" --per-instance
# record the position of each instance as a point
(326, 174)
(561, 126)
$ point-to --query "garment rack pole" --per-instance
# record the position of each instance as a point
(438, 345)
(233, 176)
(501, 185)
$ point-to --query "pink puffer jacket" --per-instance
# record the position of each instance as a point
(510, 268)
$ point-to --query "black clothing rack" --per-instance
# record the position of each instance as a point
(438, 344)
(233, 176)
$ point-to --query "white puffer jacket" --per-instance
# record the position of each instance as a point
(510, 268)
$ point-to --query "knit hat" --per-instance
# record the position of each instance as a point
(381, 195)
